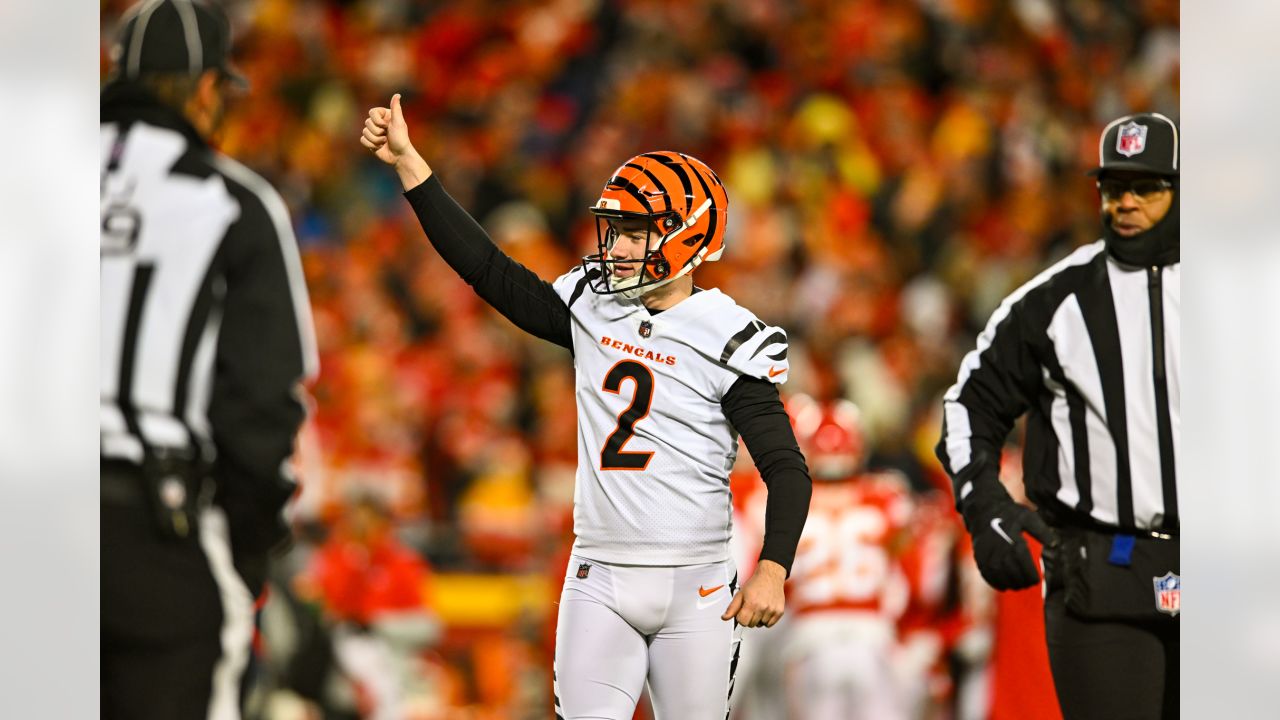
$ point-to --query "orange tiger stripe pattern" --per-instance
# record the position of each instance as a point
(684, 206)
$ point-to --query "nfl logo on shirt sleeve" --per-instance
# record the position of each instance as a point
(1168, 590)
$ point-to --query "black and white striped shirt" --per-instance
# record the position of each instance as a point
(206, 325)
(1089, 349)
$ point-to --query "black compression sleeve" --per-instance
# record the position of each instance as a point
(512, 289)
(755, 410)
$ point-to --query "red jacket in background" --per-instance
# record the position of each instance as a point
(1021, 685)
(357, 582)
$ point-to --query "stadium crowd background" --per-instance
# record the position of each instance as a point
(894, 169)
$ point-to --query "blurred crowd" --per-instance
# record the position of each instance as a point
(894, 169)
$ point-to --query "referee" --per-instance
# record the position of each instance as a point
(1089, 351)
(206, 335)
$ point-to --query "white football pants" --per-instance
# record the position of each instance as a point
(622, 626)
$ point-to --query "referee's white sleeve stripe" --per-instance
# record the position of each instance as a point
(958, 434)
(279, 214)
(959, 429)
(972, 360)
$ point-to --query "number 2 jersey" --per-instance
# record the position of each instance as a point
(661, 396)
(654, 445)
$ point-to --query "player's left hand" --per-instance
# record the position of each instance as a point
(761, 601)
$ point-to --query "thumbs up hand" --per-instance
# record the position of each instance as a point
(387, 134)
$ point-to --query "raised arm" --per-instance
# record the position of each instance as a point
(512, 289)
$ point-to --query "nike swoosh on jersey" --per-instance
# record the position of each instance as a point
(995, 525)
(706, 592)
(775, 372)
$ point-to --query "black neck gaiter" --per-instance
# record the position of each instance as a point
(1158, 246)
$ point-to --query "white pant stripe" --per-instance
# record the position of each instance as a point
(237, 616)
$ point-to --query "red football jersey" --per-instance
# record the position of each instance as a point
(847, 557)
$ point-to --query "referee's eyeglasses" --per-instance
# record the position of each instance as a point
(1144, 189)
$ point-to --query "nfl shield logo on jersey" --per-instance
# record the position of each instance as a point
(646, 329)
(583, 569)
(1132, 139)
(1168, 589)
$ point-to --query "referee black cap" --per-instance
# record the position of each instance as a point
(1145, 142)
(175, 36)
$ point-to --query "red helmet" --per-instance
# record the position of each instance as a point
(830, 436)
(678, 203)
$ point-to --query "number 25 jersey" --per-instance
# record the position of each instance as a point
(654, 445)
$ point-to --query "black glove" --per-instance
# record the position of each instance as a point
(996, 524)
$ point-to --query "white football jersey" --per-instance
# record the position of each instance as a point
(654, 446)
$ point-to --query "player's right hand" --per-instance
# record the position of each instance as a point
(761, 602)
(387, 134)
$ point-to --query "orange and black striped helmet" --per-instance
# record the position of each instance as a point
(683, 209)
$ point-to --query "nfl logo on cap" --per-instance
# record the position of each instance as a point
(1168, 588)
(1143, 143)
(1132, 139)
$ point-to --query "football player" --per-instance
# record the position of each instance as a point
(847, 588)
(935, 619)
(667, 377)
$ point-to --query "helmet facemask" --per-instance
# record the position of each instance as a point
(643, 265)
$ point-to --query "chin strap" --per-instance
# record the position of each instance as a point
(631, 293)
